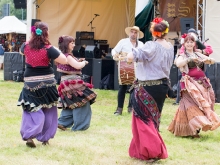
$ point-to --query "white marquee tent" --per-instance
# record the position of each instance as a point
(11, 24)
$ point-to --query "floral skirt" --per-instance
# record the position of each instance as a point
(38, 92)
(196, 108)
(74, 92)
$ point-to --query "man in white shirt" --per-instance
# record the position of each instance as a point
(125, 46)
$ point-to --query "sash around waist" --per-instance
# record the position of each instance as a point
(153, 82)
(139, 83)
(68, 77)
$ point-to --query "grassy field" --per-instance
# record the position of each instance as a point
(106, 142)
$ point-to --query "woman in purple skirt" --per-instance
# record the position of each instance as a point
(39, 95)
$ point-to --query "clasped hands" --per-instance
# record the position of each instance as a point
(196, 60)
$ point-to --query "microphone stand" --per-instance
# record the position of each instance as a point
(92, 21)
(173, 19)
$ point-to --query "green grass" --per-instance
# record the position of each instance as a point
(106, 142)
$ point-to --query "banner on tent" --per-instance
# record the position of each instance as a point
(172, 11)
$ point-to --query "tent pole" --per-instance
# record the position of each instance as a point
(31, 14)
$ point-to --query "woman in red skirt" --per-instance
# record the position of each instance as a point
(154, 61)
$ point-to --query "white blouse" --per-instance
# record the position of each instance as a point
(153, 61)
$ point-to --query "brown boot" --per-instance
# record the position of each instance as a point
(129, 109)
(30, 143)
(61, 127)
(118, 111)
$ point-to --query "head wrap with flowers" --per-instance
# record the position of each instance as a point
(157, 21)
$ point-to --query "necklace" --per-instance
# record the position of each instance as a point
(190, 53)
(198, 64)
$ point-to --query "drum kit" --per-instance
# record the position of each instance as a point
(126, 71)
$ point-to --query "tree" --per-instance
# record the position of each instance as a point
(19, 13)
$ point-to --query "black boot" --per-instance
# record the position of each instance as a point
(129, 109)
(118, 111)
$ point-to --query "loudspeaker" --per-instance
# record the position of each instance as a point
(12, 61)
(211, 74)
(217, 82)
(107, 67)
(92, 51)
(20, 4)
(186, 24)
(173, 75)
(116, 84)
(84, 42)
(79, 51)
(96, 72)
(88, 68)
(103, 47)
(33, 21)
(98, 69)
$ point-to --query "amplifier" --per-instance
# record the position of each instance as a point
(100, 41)
(84, 42)
(83, 35)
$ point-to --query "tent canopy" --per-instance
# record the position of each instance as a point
(11, 24)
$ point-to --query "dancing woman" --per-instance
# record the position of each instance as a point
(149, 93)
(75, 94)
(39, 95)
(196, 108)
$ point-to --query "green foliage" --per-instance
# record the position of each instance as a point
(19, 13)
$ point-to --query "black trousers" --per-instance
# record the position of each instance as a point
(121, 96)
(158, 92)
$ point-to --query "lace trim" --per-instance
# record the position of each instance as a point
(33, 107)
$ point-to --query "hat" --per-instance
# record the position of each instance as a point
(128, 29)
(191, 30)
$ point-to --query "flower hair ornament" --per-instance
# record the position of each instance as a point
(156, 21)
(38, 31)
(182, 38)
(60, 39)
(33, 29)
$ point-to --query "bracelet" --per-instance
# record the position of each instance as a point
(84, 63)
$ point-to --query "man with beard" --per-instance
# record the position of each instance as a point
(125, 46)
